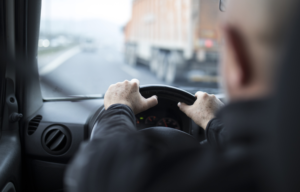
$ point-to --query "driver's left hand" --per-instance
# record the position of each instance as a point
(127, 93)
(203, 110)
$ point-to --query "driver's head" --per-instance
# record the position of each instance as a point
(252, 32)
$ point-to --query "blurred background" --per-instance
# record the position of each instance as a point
(86, 45)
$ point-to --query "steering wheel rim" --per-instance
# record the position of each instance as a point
(169, 139)
(168, 92)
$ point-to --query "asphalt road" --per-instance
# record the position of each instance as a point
(78, 73)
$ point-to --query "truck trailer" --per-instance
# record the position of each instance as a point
(178, 39)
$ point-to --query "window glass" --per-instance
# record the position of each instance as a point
(86, 45)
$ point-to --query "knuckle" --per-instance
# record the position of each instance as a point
(205, 95)
(198, 93)
(135, 84)
(111, 86)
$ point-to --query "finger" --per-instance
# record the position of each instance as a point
(199, 93)
(135, 81)
(151, 102)
(118, 84)
(112, 85)
(185, 108)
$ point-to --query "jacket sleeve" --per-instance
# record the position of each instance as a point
(215, 133)
(117, 119)
(119, 158)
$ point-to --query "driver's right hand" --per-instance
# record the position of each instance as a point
(128, 93)
(203, 110)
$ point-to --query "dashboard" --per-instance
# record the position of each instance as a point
(158, 118)
(73, 120)
(165, 114)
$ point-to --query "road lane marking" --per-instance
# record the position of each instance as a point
(132, 72)
(59, 60)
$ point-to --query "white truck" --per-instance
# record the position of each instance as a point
(178, 39)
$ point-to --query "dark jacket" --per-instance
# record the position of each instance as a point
(118, 158)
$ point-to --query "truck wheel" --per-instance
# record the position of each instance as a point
(126, 56)
(171, 71)
(162, 66)
(132, 61)
(154, 64)
(154, 61)
(175, 60)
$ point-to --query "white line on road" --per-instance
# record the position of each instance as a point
(58, 61)
(133, 72)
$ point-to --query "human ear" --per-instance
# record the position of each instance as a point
(240, 55)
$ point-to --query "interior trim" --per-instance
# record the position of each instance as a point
(9, 187)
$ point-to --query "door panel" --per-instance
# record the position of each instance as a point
(10, 146)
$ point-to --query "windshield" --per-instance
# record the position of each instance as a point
(87, 45)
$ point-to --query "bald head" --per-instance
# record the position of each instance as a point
(262, 18)
(253, 30)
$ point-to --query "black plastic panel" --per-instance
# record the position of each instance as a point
(75, 112)
(46, 176)
(73, 115)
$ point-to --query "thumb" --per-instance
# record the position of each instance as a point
(184, 108)
(151, 102)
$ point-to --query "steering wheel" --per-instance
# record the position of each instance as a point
(169, 138)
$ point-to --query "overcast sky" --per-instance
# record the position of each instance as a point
(116, 11)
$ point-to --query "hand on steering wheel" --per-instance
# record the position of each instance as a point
(127, 93)
(203, 110)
